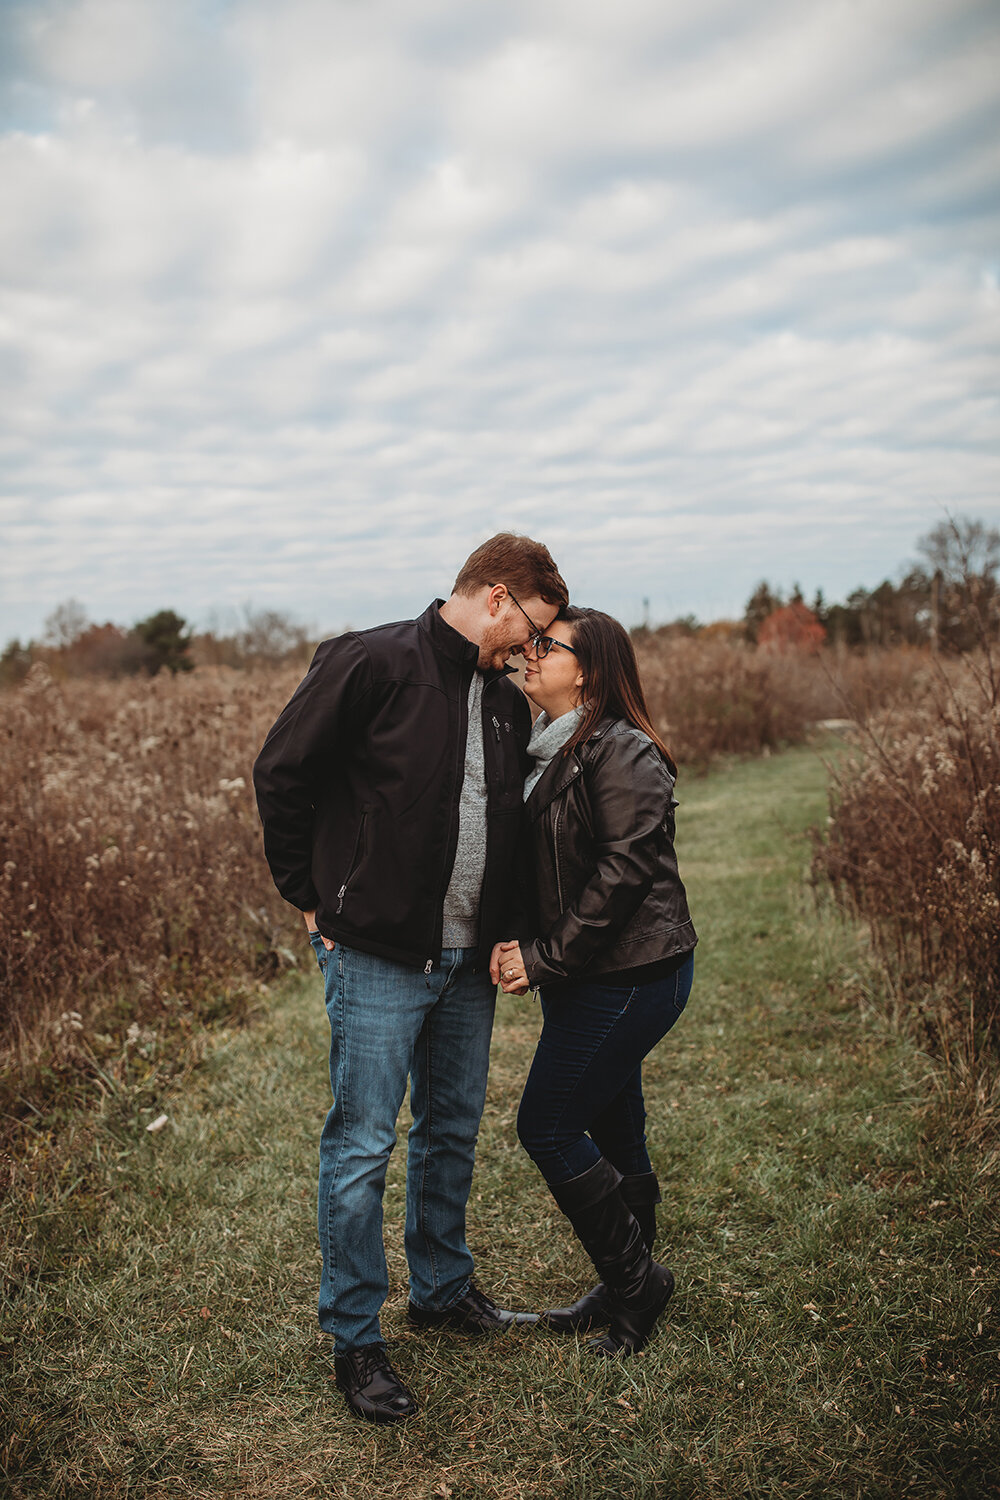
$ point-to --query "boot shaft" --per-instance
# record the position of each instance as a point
(606, 1228)
(642, 1193)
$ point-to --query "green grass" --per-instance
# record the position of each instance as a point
(835, 1242)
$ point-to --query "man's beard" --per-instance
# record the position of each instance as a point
(494, 650)
(491, 659)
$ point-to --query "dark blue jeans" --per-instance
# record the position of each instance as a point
(583, 1098)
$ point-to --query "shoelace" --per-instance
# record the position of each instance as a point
(484, 1303)
(370, 1360)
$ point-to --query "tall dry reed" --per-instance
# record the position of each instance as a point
(913, 846)
(130, 853)
(716, 697)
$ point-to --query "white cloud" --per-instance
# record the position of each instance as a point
(300, 303)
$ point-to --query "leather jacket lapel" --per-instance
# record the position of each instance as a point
(554, 780)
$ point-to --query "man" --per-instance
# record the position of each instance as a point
(390, 793)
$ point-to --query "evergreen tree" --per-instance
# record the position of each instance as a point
(761, 604)
(166, 642)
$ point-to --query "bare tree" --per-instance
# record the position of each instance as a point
(965, 555)
(66, 624)
(268, 635)
(961, 548)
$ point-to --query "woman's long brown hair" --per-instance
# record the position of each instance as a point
(611, 684)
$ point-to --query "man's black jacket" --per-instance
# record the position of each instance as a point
(358, 787)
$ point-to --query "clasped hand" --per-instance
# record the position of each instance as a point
(507, 968)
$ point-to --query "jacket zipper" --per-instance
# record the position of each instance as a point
(355, 862)
(555, 845)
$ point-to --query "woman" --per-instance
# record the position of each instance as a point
(612, 953)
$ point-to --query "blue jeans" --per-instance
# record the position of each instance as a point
(388, 1021)
(583, 1097)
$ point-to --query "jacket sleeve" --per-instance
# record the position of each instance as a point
(630, 792)
(301, 751)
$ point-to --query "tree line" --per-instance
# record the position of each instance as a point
(72, 645)
(949, 602)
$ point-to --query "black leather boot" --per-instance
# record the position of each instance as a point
(639, 1288)
(642, 1193)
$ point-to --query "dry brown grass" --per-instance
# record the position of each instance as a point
(130, 854)
(913, 846)
(132, 881)
(717, 697)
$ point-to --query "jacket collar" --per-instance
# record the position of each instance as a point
(445, 638)
(601, 729)
(452, 643)
(561, 772)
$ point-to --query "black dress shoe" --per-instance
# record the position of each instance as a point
(473, 1313)
(371, 1387)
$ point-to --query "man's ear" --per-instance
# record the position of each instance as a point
(496, 597)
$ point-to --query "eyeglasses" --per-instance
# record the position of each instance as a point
(541, 645)
(535, 632)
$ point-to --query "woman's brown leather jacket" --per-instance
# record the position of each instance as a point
(600, 852)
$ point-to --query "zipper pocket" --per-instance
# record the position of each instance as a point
(355, 862)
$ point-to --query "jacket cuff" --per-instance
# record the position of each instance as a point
(534, 968)
(303, 898)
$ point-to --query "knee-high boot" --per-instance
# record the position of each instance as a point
(642, 1193)
(639, 1288)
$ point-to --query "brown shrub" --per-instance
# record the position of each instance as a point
(714, 696)
(859, 684)
(130, 853)
(913, 846)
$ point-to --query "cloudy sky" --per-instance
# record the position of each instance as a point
(300, 302)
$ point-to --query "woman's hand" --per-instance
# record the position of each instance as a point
(507, 968)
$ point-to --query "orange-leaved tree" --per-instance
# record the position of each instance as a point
(793, 627)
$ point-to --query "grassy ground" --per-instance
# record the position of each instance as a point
(835, 1243)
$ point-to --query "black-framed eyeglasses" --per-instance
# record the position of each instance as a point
(535, 632)
(541, 645)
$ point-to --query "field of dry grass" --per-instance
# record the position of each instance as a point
(130, 856)
(832, 1227)
(715, 697)
(133, 888)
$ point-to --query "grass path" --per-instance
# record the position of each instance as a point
(835, 1243)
